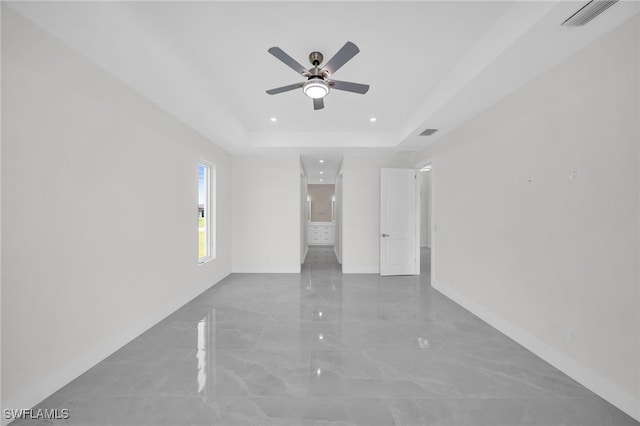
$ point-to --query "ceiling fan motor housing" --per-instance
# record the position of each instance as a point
(316, 72)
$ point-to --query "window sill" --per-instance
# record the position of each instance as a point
(204, 260)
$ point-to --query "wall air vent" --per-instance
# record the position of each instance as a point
(588, 12)
(428, 132)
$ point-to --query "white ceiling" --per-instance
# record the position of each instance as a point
(429, 64)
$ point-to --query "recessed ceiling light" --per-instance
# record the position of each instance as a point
(321, 173)
(322, 161)
(273, 119)
(320, 180)
(373, 119)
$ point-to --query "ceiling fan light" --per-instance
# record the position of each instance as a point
(316, 88)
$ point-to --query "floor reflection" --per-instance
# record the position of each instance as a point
(206, 329)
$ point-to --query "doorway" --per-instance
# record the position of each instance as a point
(321, 202)
(399, 222)
(425, 174)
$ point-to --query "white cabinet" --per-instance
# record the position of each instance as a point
(320, 233)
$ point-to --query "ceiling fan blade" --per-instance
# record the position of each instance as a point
(284, 88)
(318, 103)
(292, 63)
(348, 86)
(348, 51)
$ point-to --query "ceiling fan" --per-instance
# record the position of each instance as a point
(318, 78)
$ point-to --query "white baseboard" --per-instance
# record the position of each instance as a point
(304, 257)
(78, 366)
(585, 376)
(336, 253)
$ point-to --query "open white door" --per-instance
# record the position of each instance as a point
(398, 213)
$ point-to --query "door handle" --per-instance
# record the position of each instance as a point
(385, 235)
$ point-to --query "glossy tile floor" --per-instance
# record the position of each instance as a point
(321, 348)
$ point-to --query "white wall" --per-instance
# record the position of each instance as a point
(99, 207)
(1, 396)
(361, 209)
(304, 213)
(337, 240)
(425, 209)
(538, 254)
(266, 213)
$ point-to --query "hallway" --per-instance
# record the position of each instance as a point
(323, 348)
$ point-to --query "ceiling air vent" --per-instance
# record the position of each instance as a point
(428, 132)
(588, 12)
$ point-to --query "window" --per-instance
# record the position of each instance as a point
(205, 216)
